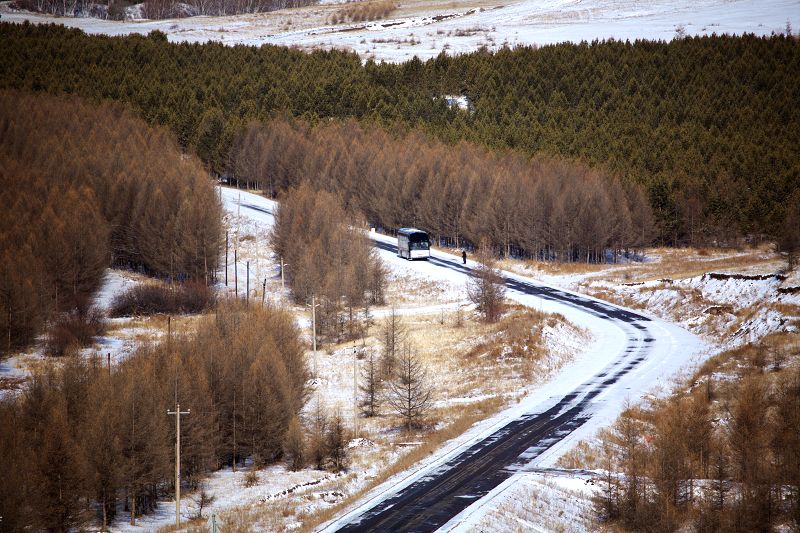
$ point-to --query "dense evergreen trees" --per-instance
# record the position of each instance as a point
(462, 195)
(157, 9)
(329, 258)
(87, 433)
(709, 125)
(722, 456)
(84, 187)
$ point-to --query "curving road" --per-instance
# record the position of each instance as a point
(433, 500)
(630, 354)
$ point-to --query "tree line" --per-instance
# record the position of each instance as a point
(156, 9)
(723, 456)
(328, 257)
(462, 195)
(707, 125)
(84, 187)
(82, 442)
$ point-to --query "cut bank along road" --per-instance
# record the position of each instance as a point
(437, 495)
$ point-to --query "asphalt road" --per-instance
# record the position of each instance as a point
(433, 500)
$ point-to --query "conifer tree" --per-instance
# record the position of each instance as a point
(409, 394)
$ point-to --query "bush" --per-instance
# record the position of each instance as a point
(251, 478)
(192, 297)
(74, 330)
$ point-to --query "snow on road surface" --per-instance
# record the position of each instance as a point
(426, 28)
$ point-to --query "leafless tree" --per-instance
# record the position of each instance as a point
(486, 289)
(202, 500)
(393, 335)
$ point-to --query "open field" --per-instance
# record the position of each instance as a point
(424, 28)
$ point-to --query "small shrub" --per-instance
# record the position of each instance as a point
(74, 330)
(192, 297)
(251, 478)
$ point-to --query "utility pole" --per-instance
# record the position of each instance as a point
(247, 285)
(226, 258)
(236, 271)
(234, 429)
(238, 235)
(177, 412)
(283, 278)
(314, 306)
(355, 392)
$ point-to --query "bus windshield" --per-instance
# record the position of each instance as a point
(419, 245)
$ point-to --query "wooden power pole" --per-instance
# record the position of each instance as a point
(283, 278)
(177, 412)
(314, 306)
(355, 392)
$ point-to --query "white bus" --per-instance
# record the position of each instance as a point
(413, 243)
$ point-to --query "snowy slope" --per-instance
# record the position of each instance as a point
(426, 28)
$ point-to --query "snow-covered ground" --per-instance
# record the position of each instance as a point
(730, 312)
(539, 501)
(122, 338)
(424, 28)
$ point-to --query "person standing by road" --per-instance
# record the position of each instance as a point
(464, 256)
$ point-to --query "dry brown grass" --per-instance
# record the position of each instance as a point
(583, 455)
(670, 263)
(680, 263)
(551, 268)
(788, 310)
(363, 11)
(770, 357)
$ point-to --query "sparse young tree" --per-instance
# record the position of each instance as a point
(393, 335)
(336, 444)
(202, 500)
(370, 387)
(409, 394)
(294, 444)
(486, 289)
(317, 449)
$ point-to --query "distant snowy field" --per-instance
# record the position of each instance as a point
(424, 28)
